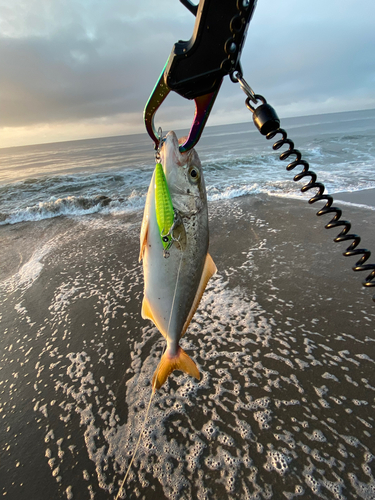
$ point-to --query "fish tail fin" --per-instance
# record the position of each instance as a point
(181, 361)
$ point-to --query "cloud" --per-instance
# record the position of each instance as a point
(94, 63)
(74, 73)
(83, 68)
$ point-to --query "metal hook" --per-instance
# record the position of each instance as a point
(158, 149)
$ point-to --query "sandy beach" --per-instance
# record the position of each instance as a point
(284, 340)
(364, 197)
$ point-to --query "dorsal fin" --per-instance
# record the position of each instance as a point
(208, 271)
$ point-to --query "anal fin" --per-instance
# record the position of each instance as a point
(208, 271)
(146, 312)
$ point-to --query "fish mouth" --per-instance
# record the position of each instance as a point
(170, 153)
(187, 191)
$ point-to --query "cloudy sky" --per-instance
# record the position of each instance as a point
(72, 69)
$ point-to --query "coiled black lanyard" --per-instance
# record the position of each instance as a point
(268, 123)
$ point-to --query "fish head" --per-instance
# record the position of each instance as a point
(183, 172)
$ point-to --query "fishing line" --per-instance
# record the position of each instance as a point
(136, 448)
(174, 295)
(153, 390)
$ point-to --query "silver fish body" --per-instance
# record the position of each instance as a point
(174, 284)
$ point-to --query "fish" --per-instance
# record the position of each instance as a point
(175, 277)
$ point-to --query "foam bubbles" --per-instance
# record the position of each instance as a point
(263, 418)
(277, 461)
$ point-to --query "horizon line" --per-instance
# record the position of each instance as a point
(145, 132)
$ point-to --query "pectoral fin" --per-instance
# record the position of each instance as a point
(208, 271)
(170, 363)
(143, 239)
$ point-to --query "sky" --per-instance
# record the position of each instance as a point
(75, 69)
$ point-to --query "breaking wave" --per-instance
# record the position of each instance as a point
(74, 206)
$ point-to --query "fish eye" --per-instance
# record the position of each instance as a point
(194, 174)
(165, 239)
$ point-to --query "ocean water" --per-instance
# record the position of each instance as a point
(111, 175)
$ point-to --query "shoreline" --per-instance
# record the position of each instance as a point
(364, 197)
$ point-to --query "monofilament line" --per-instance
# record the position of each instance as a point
(174, 296)
(136, 448)
(152, 393)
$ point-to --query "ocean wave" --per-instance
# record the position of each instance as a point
(74, 206)
(287, 188)
(118, 203)
(215, 194)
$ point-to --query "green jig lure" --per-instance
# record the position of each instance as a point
(163, 207)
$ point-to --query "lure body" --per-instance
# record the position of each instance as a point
(163, 206)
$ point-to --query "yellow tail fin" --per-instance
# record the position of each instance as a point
(170, 363)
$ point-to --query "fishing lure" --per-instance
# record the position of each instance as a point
(163, 207)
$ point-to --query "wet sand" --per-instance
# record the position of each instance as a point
(364, 197)
(284, 340)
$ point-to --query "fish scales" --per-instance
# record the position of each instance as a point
(174, 285)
